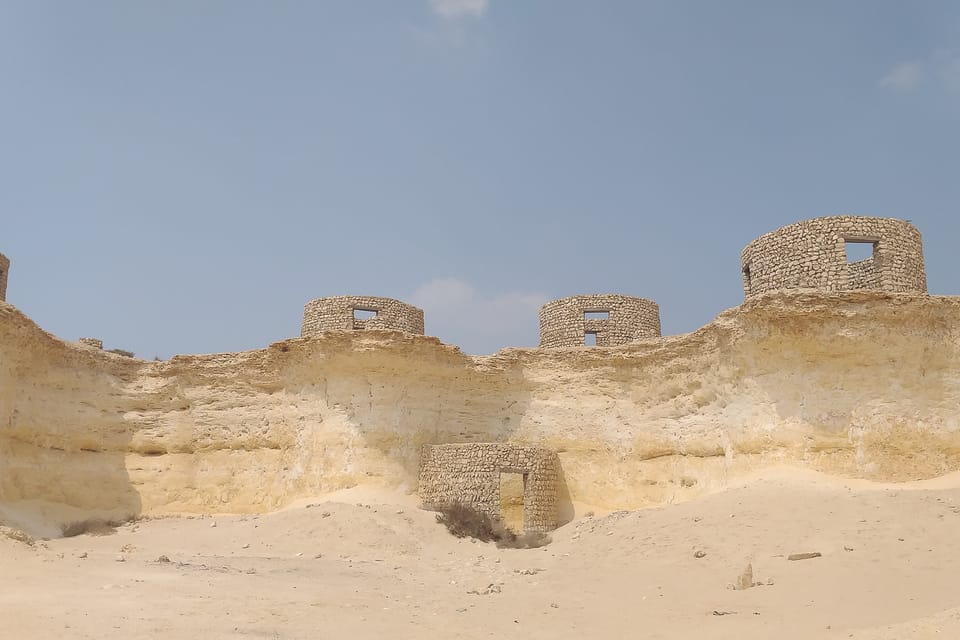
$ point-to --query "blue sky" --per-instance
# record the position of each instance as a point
(182, 176)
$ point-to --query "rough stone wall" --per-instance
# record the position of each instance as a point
(96, 343)
(4, 270)
(812, 255)
(469, 474)
(326, 314)
(563, 324)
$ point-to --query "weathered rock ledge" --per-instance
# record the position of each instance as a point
(861, 385)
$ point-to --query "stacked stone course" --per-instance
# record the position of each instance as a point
(812, 255)
(96, 343)
(563, 323)
(4, 270)
(337, 313)
(469, 474)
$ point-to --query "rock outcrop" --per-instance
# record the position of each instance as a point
(860, 384)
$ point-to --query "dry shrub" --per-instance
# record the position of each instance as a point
(92, 527)
(466, 522)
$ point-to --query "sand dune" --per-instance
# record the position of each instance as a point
(382, 568)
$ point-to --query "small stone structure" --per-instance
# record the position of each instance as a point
(469, 474)
(4, 270)
(813, 254)
(96, 343)
(612, 319)
(360, 312)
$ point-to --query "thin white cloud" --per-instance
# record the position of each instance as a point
(905, 76)
(454, 9)
(458, 314)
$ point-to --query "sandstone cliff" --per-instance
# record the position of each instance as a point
(861, 385)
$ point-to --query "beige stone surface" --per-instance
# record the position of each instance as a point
(622, 319)
(349, 312)
(861, 385)
(812, 254)
(4, 274)
(471, 474)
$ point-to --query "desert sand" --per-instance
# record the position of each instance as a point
(362, 564)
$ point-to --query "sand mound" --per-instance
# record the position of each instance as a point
(886, 568)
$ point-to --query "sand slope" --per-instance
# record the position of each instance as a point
(890, 557)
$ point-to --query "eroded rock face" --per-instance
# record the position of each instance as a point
(860, 384)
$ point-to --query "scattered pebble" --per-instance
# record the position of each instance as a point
(699, 553)
(491, 588)
(163, 559)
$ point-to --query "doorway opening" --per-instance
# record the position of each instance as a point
(512, 488)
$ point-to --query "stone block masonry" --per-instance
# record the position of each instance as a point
(612, 319)
(813, 254)
(4, 270)
(360, 312)
(469, 474)
(96, 343)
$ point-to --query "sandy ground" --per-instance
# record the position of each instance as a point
(890, 568)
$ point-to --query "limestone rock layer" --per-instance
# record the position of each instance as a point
(862, 385)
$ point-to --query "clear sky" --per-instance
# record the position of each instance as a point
(182, 176)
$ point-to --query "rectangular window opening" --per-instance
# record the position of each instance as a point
(364, 314)
(512, 489)
(859, 250)
(590, 339)
(596, 315)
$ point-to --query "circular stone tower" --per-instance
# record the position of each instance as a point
(603, 320)
(360, 312)
(838, 253)
(4, 270)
